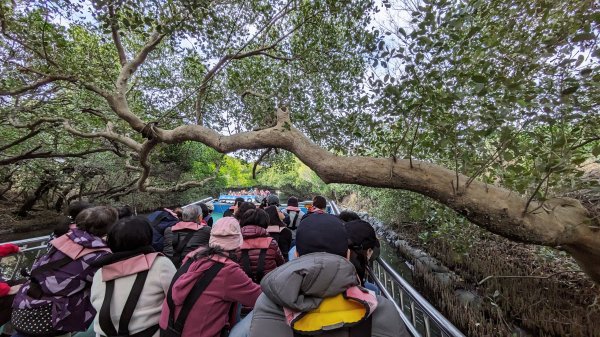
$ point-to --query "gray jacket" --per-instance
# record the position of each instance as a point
(301, 285)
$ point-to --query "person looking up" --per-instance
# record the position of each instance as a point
(202, 295)
(318, 293)
(188, 234)
(278, 231)
(56, 298)
(135, 277)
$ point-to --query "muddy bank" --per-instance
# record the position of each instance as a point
(491, 286)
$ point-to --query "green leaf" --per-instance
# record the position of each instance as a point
(596, 150)
(479, 78)
(584, 37)
(570, 90)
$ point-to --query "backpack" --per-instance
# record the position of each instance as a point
(104, 317)
(294, 222)
(175, 326)
(180, 242)
(259, 273)
(160, 220)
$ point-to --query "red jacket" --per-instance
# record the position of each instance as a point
(255, 239)
(6, 250)
(210, 313)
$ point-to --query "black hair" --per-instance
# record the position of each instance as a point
(346, 216)
(272, 212)
(319, 201)
(129, 234)
(63, 224)
(204, 209)
(97, 220)
(360, 261)
(257, 217)
(238, 201)
(76, 207)
(243, 208)
(125, 211)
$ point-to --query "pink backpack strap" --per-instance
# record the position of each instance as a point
(73, 250)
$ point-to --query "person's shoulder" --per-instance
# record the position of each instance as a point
(386, 320)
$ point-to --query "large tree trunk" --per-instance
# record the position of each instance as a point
(31, 200)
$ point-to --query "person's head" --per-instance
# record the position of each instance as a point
(244, 207)
(275, 216)
(63, 224)
(76, 207)
(256, 217)
(179, 212)
(226, 234)
(204, 209)
(292, 201)
(129, 234)
(97, 220)
(322, 233)
(346, 216)
(124, 211)
(210, 206)
(362, 240)
(272, 199)
(192, 213)
(320, 202)
(238, 202)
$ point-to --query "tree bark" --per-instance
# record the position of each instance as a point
(30, 200)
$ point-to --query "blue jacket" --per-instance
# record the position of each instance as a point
(166, 220)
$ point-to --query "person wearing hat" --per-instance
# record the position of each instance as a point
(319, 294)
(364, 247)
(207, 286)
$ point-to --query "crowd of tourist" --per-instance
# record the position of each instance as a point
(257, 271)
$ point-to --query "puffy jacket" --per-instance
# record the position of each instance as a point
(257, 239)
(183, 238)
(123, 273)
(325, 286)
(66, 287)
(210, 313)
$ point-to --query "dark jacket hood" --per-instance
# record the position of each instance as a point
(302, 284)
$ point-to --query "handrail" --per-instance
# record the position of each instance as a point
(417, 303)
(33, 248)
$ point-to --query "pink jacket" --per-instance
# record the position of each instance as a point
(211, 312)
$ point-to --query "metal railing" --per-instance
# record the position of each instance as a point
(30, 250)
(33, 248)
(419, 316)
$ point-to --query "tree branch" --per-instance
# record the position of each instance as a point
(131, 67)
(108, 134)
(114, 27)
(31, 133)
(36, 155)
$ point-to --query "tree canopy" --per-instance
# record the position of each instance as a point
(489, 107)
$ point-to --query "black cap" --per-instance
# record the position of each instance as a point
(322, 233)
(361, 234)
